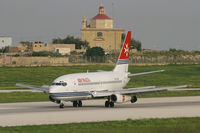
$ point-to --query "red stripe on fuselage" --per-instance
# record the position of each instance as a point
(123, 98)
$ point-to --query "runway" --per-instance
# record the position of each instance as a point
(18, 114)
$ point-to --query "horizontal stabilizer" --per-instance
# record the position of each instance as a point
(144, 73)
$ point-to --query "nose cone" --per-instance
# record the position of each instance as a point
(52, 89)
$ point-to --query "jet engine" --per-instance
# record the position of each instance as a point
(133, 99)
(117, 98)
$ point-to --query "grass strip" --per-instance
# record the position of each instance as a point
(170, 125)
(14, 97)
(44, 75)
(13, 88)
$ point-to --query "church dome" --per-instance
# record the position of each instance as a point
(101, 14)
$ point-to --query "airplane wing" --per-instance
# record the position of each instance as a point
(43, 88)
(144, 73)
(135, 91)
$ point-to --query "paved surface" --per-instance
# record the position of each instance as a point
(37, 113)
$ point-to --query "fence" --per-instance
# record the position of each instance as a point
(187, 59)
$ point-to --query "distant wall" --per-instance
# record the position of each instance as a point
(6, 60)
(33, 61)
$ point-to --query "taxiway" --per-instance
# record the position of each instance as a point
(18, 114)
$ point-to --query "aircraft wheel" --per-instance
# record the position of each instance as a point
(107, 104)
(75, 103)
(79, 103)
(112, 104)
(61, 106)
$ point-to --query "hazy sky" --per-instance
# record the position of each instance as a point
(158, 24)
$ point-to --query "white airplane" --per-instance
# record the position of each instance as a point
(101, 84)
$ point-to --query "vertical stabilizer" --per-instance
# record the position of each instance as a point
(122, 63)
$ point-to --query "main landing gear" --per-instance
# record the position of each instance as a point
(61, 105)
(75, 104)
(109, 104)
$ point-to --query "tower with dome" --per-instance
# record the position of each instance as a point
(101, 32)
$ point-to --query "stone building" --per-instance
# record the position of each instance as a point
(100, 32)
(25, 47)
(40, 46)
(5, 41)
(12, 49)
(59, 48)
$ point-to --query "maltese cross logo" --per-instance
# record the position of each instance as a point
(126, 50)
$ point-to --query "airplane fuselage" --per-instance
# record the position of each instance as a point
(80, 85)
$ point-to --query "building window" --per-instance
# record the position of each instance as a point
(99, 34)
(57, 50)
(2, 41)
(35, 45)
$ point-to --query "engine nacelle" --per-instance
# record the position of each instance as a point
(133, 99)
(117, 98)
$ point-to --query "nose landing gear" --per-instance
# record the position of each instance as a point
(61, 105)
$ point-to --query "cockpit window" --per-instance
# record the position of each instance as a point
(64, 84)
(60, 84)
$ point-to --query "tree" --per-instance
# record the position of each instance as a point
(95, 54)
(1, 50)
(71, 40)
(135, 44)
(4, 49)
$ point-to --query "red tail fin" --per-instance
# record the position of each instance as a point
(122, 63)
(126, 47)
